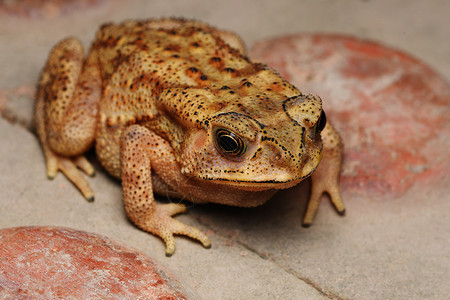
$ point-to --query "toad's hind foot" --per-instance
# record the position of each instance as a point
(162, 224)
(70, 168)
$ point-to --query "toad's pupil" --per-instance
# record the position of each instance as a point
(228, 143)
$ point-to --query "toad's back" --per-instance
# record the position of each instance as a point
(172, 46)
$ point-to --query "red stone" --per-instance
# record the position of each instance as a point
(44, 8)
(391, 109)
(61, 263)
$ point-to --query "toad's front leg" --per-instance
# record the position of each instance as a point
(142, 151)
(325, 178)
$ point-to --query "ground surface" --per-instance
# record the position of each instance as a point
(394, 242)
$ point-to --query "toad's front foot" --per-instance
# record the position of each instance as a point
(325, 178)
(321, 183)
(70, 166)
(162, 224)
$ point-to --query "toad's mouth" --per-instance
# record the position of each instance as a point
(258, 185)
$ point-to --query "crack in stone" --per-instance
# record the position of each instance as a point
(270, 258)
(291, 271)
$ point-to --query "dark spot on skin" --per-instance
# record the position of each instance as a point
(203, 77)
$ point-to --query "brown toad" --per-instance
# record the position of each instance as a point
(174, 107)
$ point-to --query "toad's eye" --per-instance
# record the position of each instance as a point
(229, 143)
(320, 125)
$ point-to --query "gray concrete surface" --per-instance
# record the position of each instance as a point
(381, 250)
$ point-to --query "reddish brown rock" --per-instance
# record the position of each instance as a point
(44, 8)
(50, 263)
(391, 109)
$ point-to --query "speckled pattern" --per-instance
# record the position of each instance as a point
(170, 101)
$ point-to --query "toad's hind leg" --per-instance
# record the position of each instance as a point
(142, 151)
(325, 178)
(66, 111)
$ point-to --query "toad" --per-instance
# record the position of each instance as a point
(174, 107)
